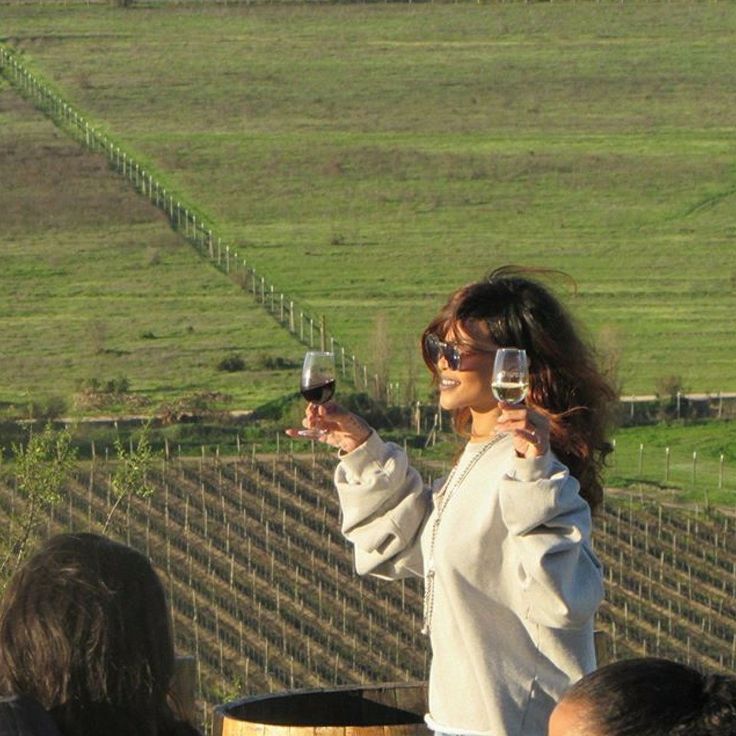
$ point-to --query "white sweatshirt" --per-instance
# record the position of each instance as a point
(515, 582)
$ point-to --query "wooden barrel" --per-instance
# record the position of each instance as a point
(395, 709)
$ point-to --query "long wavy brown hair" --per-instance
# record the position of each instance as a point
(516, 310)
(84, 629)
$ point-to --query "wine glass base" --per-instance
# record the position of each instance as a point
(314, 433)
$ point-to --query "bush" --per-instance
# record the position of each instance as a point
(668, 388)
(95, 393)
(231, 363)
(89, 384)
(277, 362)
(119, 385)
(51, 408)
(194, 407)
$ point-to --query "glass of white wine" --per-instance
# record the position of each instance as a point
(510, 382)
(317, 384)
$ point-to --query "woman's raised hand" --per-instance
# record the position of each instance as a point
(342, 428)
(528, 428)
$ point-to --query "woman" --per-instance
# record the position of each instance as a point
(85, 635)
(511, 583)
(647, 697)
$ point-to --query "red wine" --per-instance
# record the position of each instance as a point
(319, 394)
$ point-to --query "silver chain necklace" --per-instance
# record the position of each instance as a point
(444, 496)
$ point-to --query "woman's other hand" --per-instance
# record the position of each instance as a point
(342, 428)
(528, 428)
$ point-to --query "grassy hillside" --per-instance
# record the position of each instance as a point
(369, 158)
(95, 288)
(693, 463)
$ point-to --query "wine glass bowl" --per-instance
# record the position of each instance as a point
(318, 377)
(510, 382)
(317, 384)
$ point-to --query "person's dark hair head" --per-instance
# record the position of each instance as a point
(655, 697)
(84, 629)
(515, 310)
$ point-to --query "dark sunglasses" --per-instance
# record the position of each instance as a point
(435, 349)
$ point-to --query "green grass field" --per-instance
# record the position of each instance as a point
(693, 463)
(96, 287)
(655, 461)
(370, 158)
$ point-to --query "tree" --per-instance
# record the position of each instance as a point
(42, 467)
(130, 476)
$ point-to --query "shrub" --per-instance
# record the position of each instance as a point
(50, 408)
(43, 463)
(119, 385)
(668, 388)
(231, 363)
(95, 385)
(89, 384)
(276, 362)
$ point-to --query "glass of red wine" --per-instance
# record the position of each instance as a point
(317, 383)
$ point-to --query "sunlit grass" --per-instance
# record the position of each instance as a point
(368, 159)
(684, 462)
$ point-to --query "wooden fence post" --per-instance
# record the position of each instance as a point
(146, 183)
(720, 472)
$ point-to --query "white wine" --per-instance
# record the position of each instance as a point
(512, 392)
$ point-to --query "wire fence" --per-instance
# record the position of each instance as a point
(703, 476)
(309, 329)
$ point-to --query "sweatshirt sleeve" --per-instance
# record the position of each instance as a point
(550, 524)
(384, 505)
